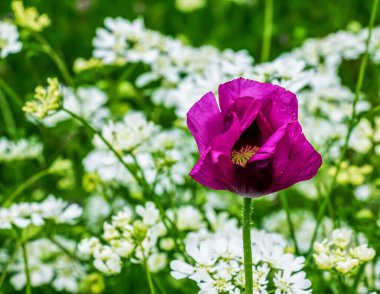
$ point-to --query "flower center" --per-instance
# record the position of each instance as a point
(241, 157)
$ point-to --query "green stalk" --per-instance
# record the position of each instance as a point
(267, 33)
(149, 278)
(105, 141)
(351, 126)
(55, 58)
(9, 200)
(7, 114)
(11, 93)
(284, 202)
(10, 261)
(158, 284)
(26, 267)
(247, 245)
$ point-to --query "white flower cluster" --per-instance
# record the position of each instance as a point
(325, 103)
(158, 152)
(19, 150)
(87, 102)
(187, 218)
(124, 41)
(339, 255)
(304, 224)
(9, 42)
(186, 72)
(127, 134)
(217, 261)
(134, 238)
(48, 265)
(22, 215)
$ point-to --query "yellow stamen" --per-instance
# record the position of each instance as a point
(242, 156)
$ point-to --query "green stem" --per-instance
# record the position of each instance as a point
(11, 93)
(55, 57)
(9, 200)
(63, 248)
(149, 278)
(351, 126)
(8, 116)
(10, 261)
(357, 279)
(247, 245)
(284, 202)
(105, 141)
(267, 33)
(160, 287)
(26, 267)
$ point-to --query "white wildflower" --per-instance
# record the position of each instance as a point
(9, 39)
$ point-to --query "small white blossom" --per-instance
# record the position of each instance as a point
(19, 150)
(9, 39)
(339, 254)
(36, 213)
(286, 282)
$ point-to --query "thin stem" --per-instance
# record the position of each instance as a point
(9, 200)
(247, 245)
(11, 93)
(7, 114)
(357, 279)
(149, 278)
(160, 287)
(63, 248)
(284, 202)
(10, 261)
(55, 57)
(105, 141)
(267, 33)
(26, 267)
(351, 126)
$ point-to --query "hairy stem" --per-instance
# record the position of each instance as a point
(247, 245)
(351, 126)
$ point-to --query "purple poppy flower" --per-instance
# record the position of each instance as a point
(253, 144)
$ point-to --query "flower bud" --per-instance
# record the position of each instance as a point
(341, 237)
(323, 261)
(139, 230)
